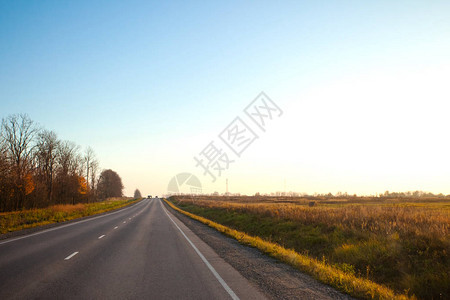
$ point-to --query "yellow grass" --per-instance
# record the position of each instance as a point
(385, 219)
(18, 220)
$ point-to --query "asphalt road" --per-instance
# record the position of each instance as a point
(140, 252)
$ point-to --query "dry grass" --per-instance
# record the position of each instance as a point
(67, 208)
(400, 244)
(349, 283)
(18, 220)
(387, 220)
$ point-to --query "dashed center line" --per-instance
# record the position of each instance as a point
(102, 236)
(124, 222)
(71, 255)
(116, 227)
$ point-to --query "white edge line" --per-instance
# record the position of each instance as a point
(102, 236)
(211, 268)
(71, 255)
(67, 225)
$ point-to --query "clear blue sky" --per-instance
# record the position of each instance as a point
(149, 84)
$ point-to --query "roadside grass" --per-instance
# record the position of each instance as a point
(402, 248)
(321, 270)
(18, 220)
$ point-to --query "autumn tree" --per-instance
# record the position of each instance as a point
(137, 194)
(37, 169)
(109, 185)
(18, 133)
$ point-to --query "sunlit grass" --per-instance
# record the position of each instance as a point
(18, 220)
(321, 270)
(403, 246)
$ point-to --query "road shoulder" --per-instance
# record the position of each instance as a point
(243, 288)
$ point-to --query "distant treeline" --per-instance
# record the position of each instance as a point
(289, 195)
(37, 169)
(387, 194)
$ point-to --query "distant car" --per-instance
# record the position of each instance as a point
(156, 196)
(149, 196)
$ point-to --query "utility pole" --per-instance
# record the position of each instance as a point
(227, 186)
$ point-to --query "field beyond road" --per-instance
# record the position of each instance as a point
(402, 244)
(18, 220)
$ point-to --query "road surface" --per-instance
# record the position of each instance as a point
(140, 252)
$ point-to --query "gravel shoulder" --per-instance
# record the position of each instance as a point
(275, 279)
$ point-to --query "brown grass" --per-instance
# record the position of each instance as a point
(67, 208)
(377, 219)
(349, 283)
(400, 243)
(18, 220)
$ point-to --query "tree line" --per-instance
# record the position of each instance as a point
(37, 169)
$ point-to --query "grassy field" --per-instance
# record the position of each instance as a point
(402, 244)
(12, 221)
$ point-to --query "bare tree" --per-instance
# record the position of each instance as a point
(18, 132)
(67, 157)
(37, 169)
(94, 168)
(6, 183)
(70, 165)
(91, 166)
(46, 160)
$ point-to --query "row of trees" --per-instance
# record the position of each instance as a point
(387, 194)
(37, 169)
(411, 194)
